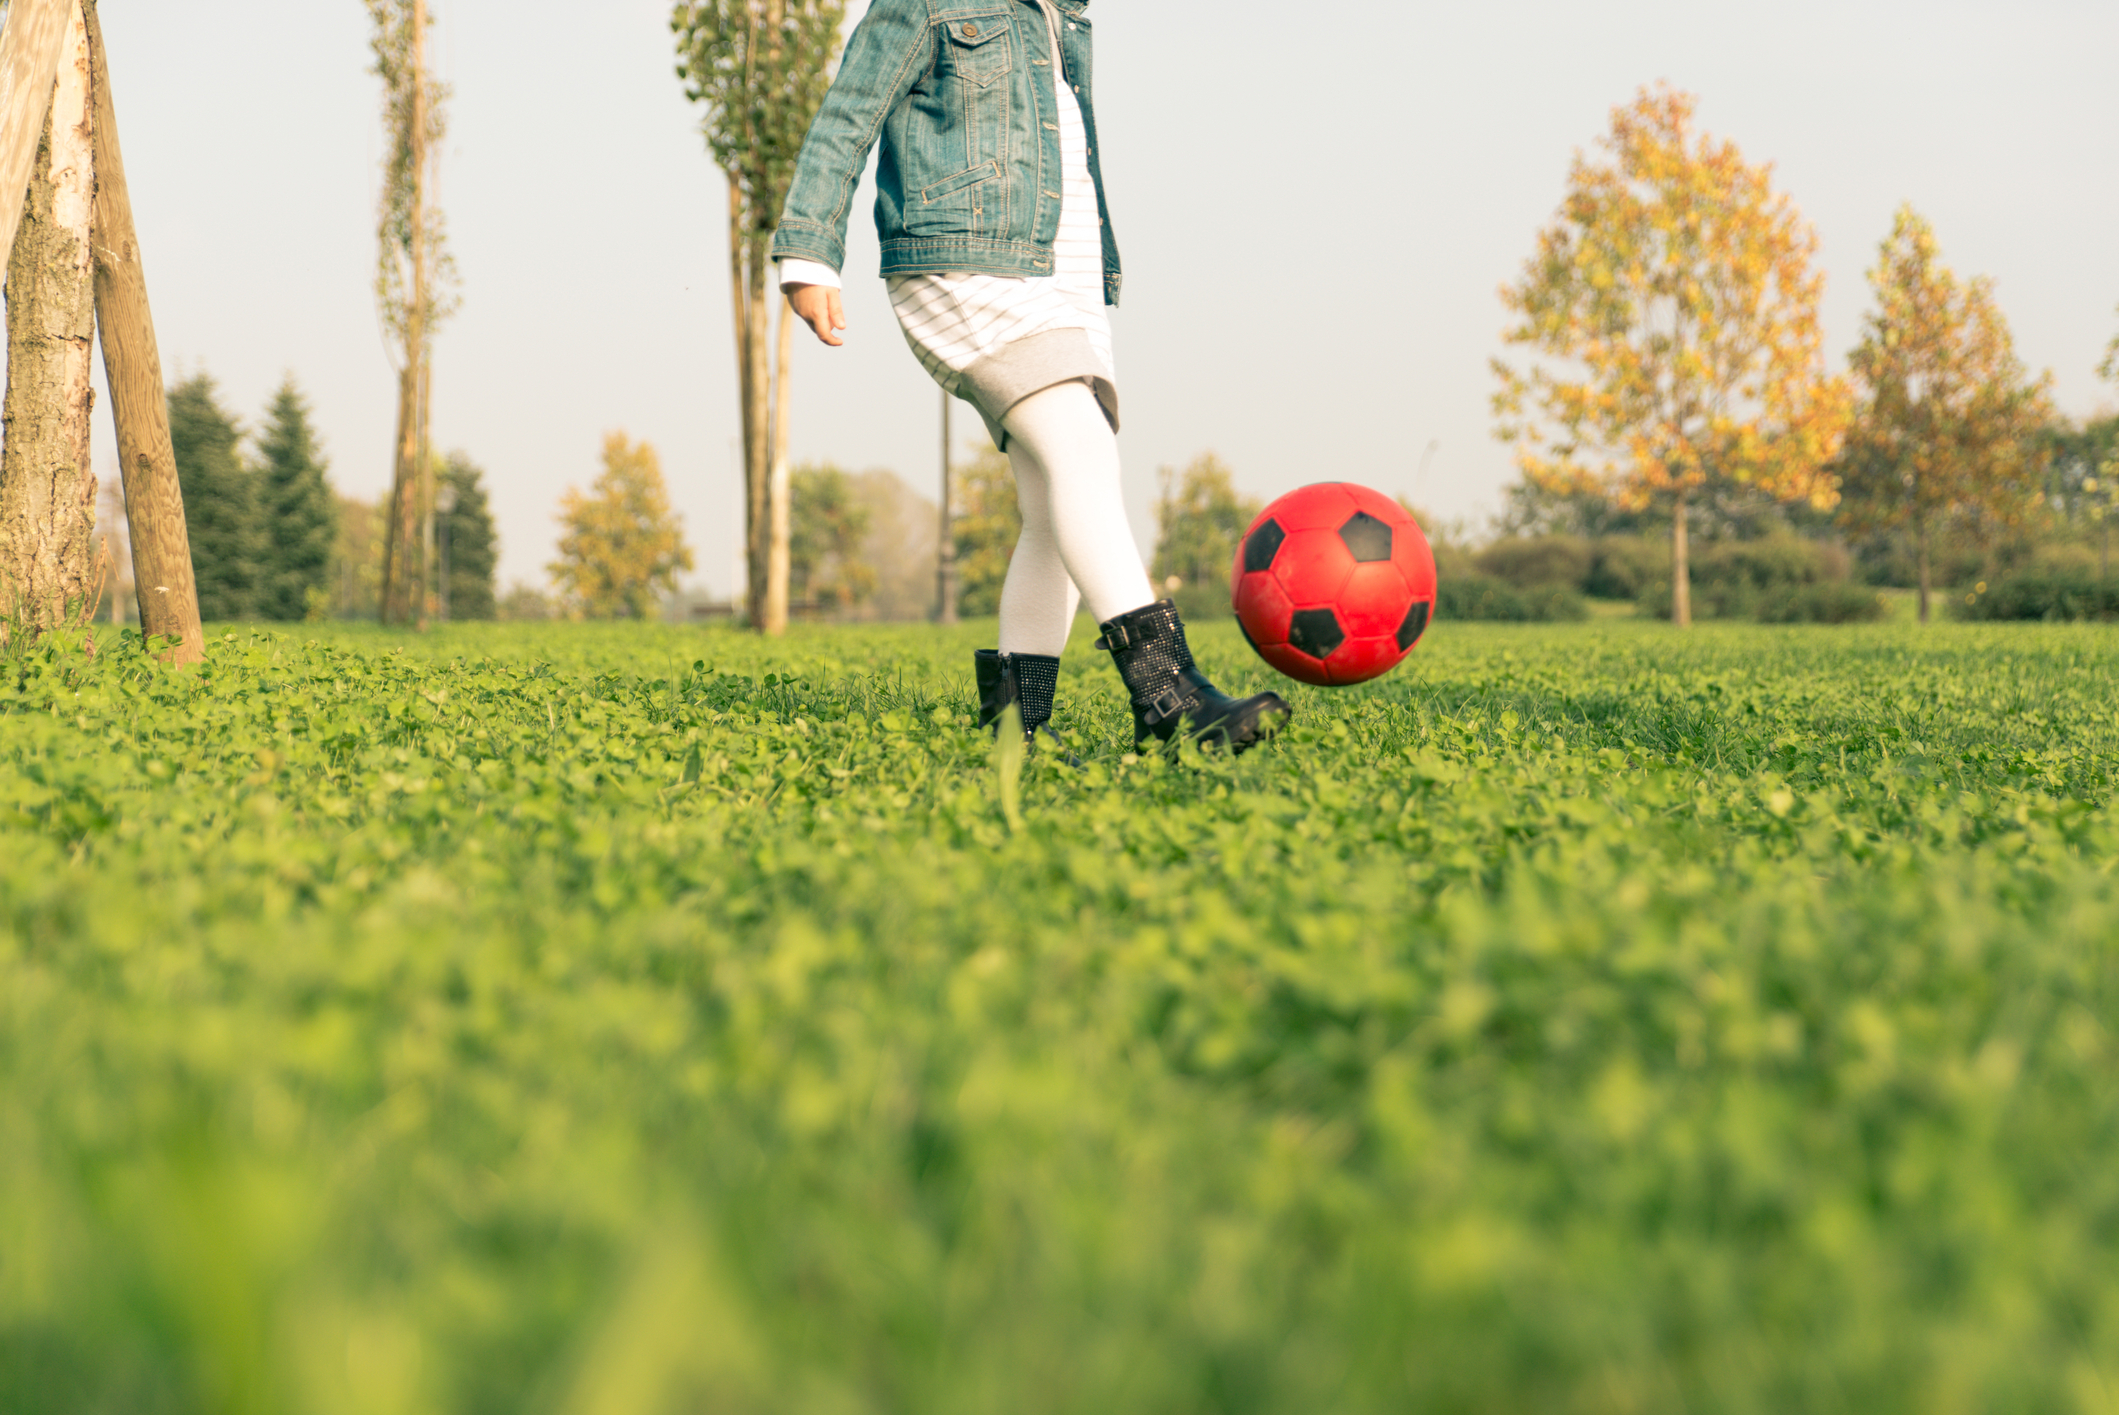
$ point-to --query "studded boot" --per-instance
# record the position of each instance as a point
(1171, 697)
(1028, 680)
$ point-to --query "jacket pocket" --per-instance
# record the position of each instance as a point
(980, 49)
(950, 186)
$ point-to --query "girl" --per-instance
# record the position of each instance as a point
(998, 252)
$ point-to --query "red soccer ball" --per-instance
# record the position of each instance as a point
(1333, 584)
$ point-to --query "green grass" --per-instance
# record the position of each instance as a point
(1589, 1018)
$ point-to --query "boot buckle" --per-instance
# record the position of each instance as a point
(1114, 638)
(1162, 707)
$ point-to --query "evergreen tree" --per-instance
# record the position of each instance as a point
(299, 521)
(470, 543)
(220, 499)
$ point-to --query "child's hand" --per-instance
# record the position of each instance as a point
(818, 307)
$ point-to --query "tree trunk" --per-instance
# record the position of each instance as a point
(739, 312)
(945, 576)
(757, 435)
(404, 596)
(47, 482)
(139, 404)
(780, 488)
(1680, 566)
(1921, 540)
(425, 451)
(31, 42)
(395, 607)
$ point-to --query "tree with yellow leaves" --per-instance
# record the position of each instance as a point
(1948, 423)
(1674, 297)
(621, 545)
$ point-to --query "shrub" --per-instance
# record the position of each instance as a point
(1205, 600)
(1746, 579)
(2057, 594)
(2063, 557)
(1954, 559)
(1621, 567)
(1484, 597)
(1553, 561)
(1830, 602)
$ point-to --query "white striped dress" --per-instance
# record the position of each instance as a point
(954, 320)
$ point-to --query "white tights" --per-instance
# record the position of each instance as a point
(1075, 534)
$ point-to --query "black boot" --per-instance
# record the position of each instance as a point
(1170, 695)
(1026, 679)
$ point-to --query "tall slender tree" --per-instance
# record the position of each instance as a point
(470, 546)
(47, 485)
(759, 68)
(299, 523)
(220, 499)
(1948, 420)
(1675, 300)
(414, 286)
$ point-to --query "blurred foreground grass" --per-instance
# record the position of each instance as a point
(633, 1019)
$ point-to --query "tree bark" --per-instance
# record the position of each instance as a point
(1920, 532)
(739, 313)
(47, 483)
(1680, 566)
(945, 575)
(779, 487)
(425, 452)
(757, 468)
(404, 598)
(139, 403)
(395, 605)
(30, 45)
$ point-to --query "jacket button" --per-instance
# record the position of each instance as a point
(970, 31)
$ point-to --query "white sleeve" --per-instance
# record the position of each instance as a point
(796, 271)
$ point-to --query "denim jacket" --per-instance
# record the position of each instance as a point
(960, 94)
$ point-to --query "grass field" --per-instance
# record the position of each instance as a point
(630, 1019)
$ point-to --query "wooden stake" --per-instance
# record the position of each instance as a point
(29, 63)
(154, 504)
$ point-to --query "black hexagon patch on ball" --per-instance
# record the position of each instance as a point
(1366, 537)
(1316, 632)
(1262, 545)
(1414, 626)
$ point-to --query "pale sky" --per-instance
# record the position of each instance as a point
(1315, 208)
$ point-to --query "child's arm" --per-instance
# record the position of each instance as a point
(887, 53)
